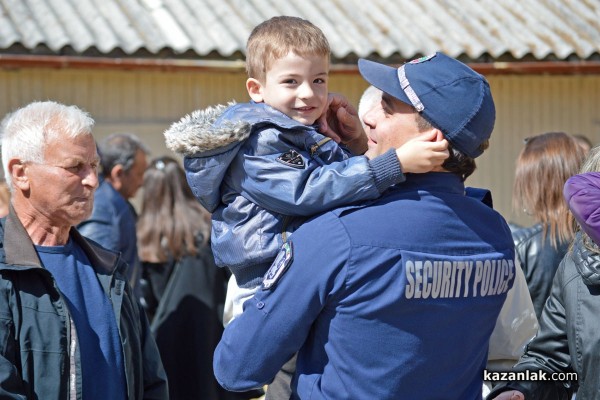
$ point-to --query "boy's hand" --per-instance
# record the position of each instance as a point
(341, 123)
(423, 153)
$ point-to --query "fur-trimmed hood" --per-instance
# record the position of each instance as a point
(221, 126)
(200, 131)
(211, 138)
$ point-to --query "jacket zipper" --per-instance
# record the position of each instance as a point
(315, 147)
(313, 151)
(286, 222)
(72, 345)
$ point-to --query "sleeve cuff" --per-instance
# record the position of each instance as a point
(387, 170)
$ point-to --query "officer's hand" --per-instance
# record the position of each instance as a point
(510, 395)
(341, 123)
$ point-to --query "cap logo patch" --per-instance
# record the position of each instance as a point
(280, 265)
(422, 59)
(292, 158)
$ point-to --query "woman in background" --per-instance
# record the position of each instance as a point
(568, 339)
(543, 166)
(183, 290)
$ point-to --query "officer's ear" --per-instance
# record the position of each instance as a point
(439, 136)
(255, 88)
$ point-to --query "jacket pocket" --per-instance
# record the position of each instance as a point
(6, 331)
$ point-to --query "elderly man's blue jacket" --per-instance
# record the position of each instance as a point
(37, 335)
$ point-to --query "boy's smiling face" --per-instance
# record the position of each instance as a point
(294, 85)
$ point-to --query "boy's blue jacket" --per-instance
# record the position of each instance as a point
(261, 173)
(392, 299)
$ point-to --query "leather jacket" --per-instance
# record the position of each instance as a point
(539, 261)
(569, 336)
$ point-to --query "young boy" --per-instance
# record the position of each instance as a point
(262, 168)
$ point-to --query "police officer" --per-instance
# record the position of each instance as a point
(396, 297)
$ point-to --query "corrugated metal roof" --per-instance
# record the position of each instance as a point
(472, 29)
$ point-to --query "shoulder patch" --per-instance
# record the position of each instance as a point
(292, 158)
(280, 265)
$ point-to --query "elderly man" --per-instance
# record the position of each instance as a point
(395, 298)
(113, 219)
(69, 325)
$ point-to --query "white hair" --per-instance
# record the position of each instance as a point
(25, 132)
(370, 97)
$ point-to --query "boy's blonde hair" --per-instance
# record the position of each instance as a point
(276, 37)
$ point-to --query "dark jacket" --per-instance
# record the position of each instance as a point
(37, 333)
(569, 336)
(190, 294)
(539, 261)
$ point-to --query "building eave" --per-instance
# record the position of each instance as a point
(17, 61)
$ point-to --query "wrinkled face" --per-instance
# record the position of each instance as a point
(133, 179)
(389, 124)
(297, 86)
(61, 190)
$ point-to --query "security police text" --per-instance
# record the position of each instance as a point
(449, 279)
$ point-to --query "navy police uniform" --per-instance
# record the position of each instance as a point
(393, 299)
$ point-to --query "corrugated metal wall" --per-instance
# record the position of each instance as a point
(146, 103)
(528, 106)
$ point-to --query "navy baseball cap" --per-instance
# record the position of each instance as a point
(447, 93)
